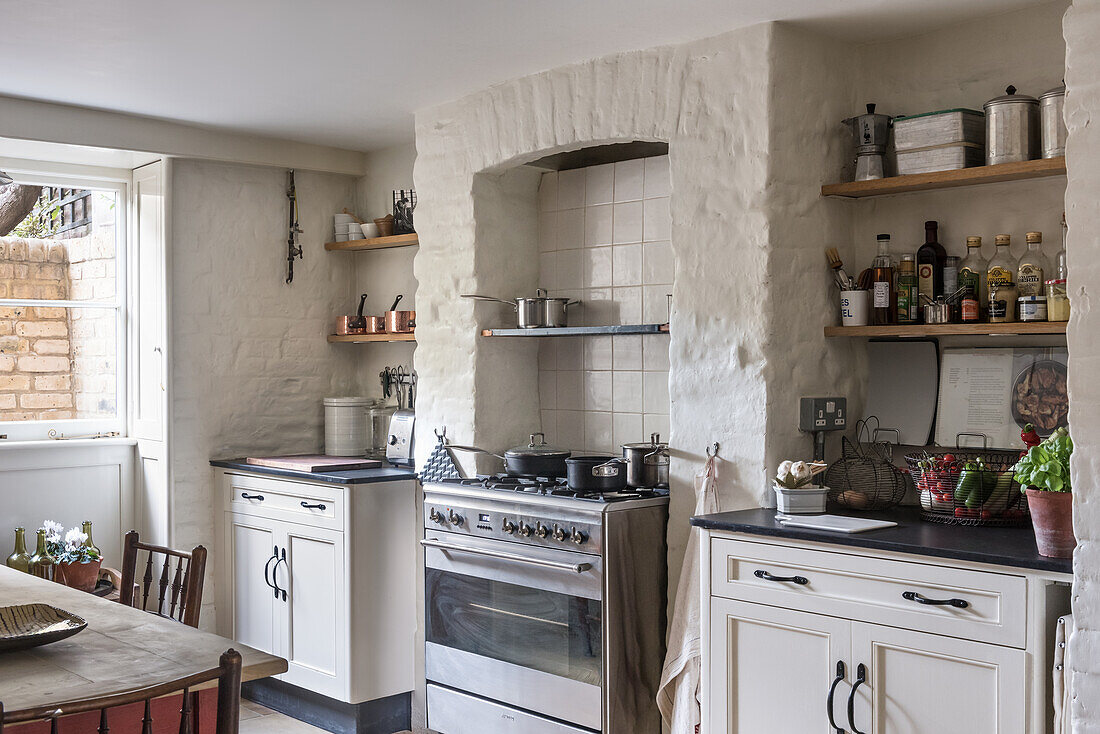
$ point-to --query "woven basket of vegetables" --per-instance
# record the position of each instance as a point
(968, 487)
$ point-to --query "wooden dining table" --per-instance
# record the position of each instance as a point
(120, 650)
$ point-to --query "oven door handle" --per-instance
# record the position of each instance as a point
(574, 567)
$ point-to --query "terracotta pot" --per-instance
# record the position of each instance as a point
(1052, 516)
(82, 576)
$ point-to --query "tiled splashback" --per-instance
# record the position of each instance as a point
(604, 239)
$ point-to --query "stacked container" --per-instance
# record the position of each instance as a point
(939, 141)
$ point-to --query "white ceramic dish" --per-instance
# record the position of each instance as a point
(804, 501)
(369, 229)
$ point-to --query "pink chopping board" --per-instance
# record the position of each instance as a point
(314, 462)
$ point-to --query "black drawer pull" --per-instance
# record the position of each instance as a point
(861, 678)
(914, 596)
(832, 692)
(762, 574)
(248, 496)
(312, 507)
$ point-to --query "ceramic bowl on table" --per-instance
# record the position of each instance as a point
(30, 625)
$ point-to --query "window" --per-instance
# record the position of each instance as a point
(61, 310)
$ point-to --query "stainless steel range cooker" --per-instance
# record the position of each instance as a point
(545, 608)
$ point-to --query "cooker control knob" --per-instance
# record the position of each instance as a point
(455, 519)
(525, 530)
(559, 534)
(508, 527)
(393, 440)
(435, 516)
(541, 530)
(579, 537)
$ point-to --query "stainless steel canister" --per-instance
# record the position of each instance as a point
(1051, 122)
(1012, 128)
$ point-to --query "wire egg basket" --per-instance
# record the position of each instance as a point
(865, 478)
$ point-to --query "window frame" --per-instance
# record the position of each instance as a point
(118, 181)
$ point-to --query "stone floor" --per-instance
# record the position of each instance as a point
(257, 719)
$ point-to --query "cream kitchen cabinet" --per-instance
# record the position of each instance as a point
(321, 574)
(802, 637)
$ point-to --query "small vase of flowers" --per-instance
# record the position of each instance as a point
(77, 561)
(793, 493)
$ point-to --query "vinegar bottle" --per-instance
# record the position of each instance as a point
(884, 302)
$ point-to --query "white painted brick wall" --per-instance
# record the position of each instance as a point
(1082, 28)
(710, 101)
(250, 359)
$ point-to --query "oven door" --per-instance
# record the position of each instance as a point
(516, 624)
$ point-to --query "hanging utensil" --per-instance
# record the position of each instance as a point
(293, 249)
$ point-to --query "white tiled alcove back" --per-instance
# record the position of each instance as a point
(604, 239)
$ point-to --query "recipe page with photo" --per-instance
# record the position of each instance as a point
(987, 396)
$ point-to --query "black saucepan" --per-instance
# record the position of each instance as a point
(596, 473)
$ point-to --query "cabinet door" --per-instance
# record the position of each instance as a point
(919, 683)
(772, 668)
(316, 609)
(249, 546)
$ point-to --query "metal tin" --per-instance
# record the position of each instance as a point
(1051, 123)
(1011, 128)
(941, 158)
(1032, 308)
(932, 129)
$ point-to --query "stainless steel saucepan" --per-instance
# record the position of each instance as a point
(534, 313)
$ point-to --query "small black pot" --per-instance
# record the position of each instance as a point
(596, 473)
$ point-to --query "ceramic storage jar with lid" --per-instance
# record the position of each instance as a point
(1011, 128)
(347, 428)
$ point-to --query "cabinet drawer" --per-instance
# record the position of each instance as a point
(992, 609)
(293, 501)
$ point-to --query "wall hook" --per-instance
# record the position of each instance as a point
(712, 451)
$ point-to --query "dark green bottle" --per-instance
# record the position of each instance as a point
(42, 563)
(19, 559)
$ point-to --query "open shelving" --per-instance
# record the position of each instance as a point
(580, 330)
(374, 243)
(925, 330)
(370, 338)
(1042, 168)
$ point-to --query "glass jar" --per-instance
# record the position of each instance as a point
(379, 414)
(1002, 302)
(1032, 308)
(1057, 300)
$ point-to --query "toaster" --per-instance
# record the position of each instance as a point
(399, 445)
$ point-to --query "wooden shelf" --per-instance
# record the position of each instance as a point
(370, 338)
(948, 179)
(581, 330)
(923, 330)
(374, 243)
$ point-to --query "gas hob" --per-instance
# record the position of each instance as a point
(551, 487)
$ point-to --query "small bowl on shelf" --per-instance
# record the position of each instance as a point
(369, 229)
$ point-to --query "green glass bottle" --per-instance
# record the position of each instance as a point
(86, 528)
(19, 559)
(42, 563)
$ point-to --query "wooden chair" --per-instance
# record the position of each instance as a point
(185, 581)
(228, 675)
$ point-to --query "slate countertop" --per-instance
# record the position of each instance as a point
(384, 473)
(1000, 546)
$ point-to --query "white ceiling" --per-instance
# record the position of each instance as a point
(350, 73)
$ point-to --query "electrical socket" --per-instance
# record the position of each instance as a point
(823, 414)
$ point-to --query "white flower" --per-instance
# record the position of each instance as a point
(75, 537)
(784, 470)
(53, 531)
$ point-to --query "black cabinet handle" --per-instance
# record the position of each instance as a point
(832, 692)
(317, 506)
(248, 496)
(861, 678)
(914, 596)
(267, 567)
(762, 574)
(274, 574)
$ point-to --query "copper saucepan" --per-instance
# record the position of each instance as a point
(399, 322)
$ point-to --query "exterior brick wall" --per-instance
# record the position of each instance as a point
(35, 346)
(58, 363)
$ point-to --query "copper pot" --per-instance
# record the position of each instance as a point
(374, 324)
(400, 322)
(345, 326)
